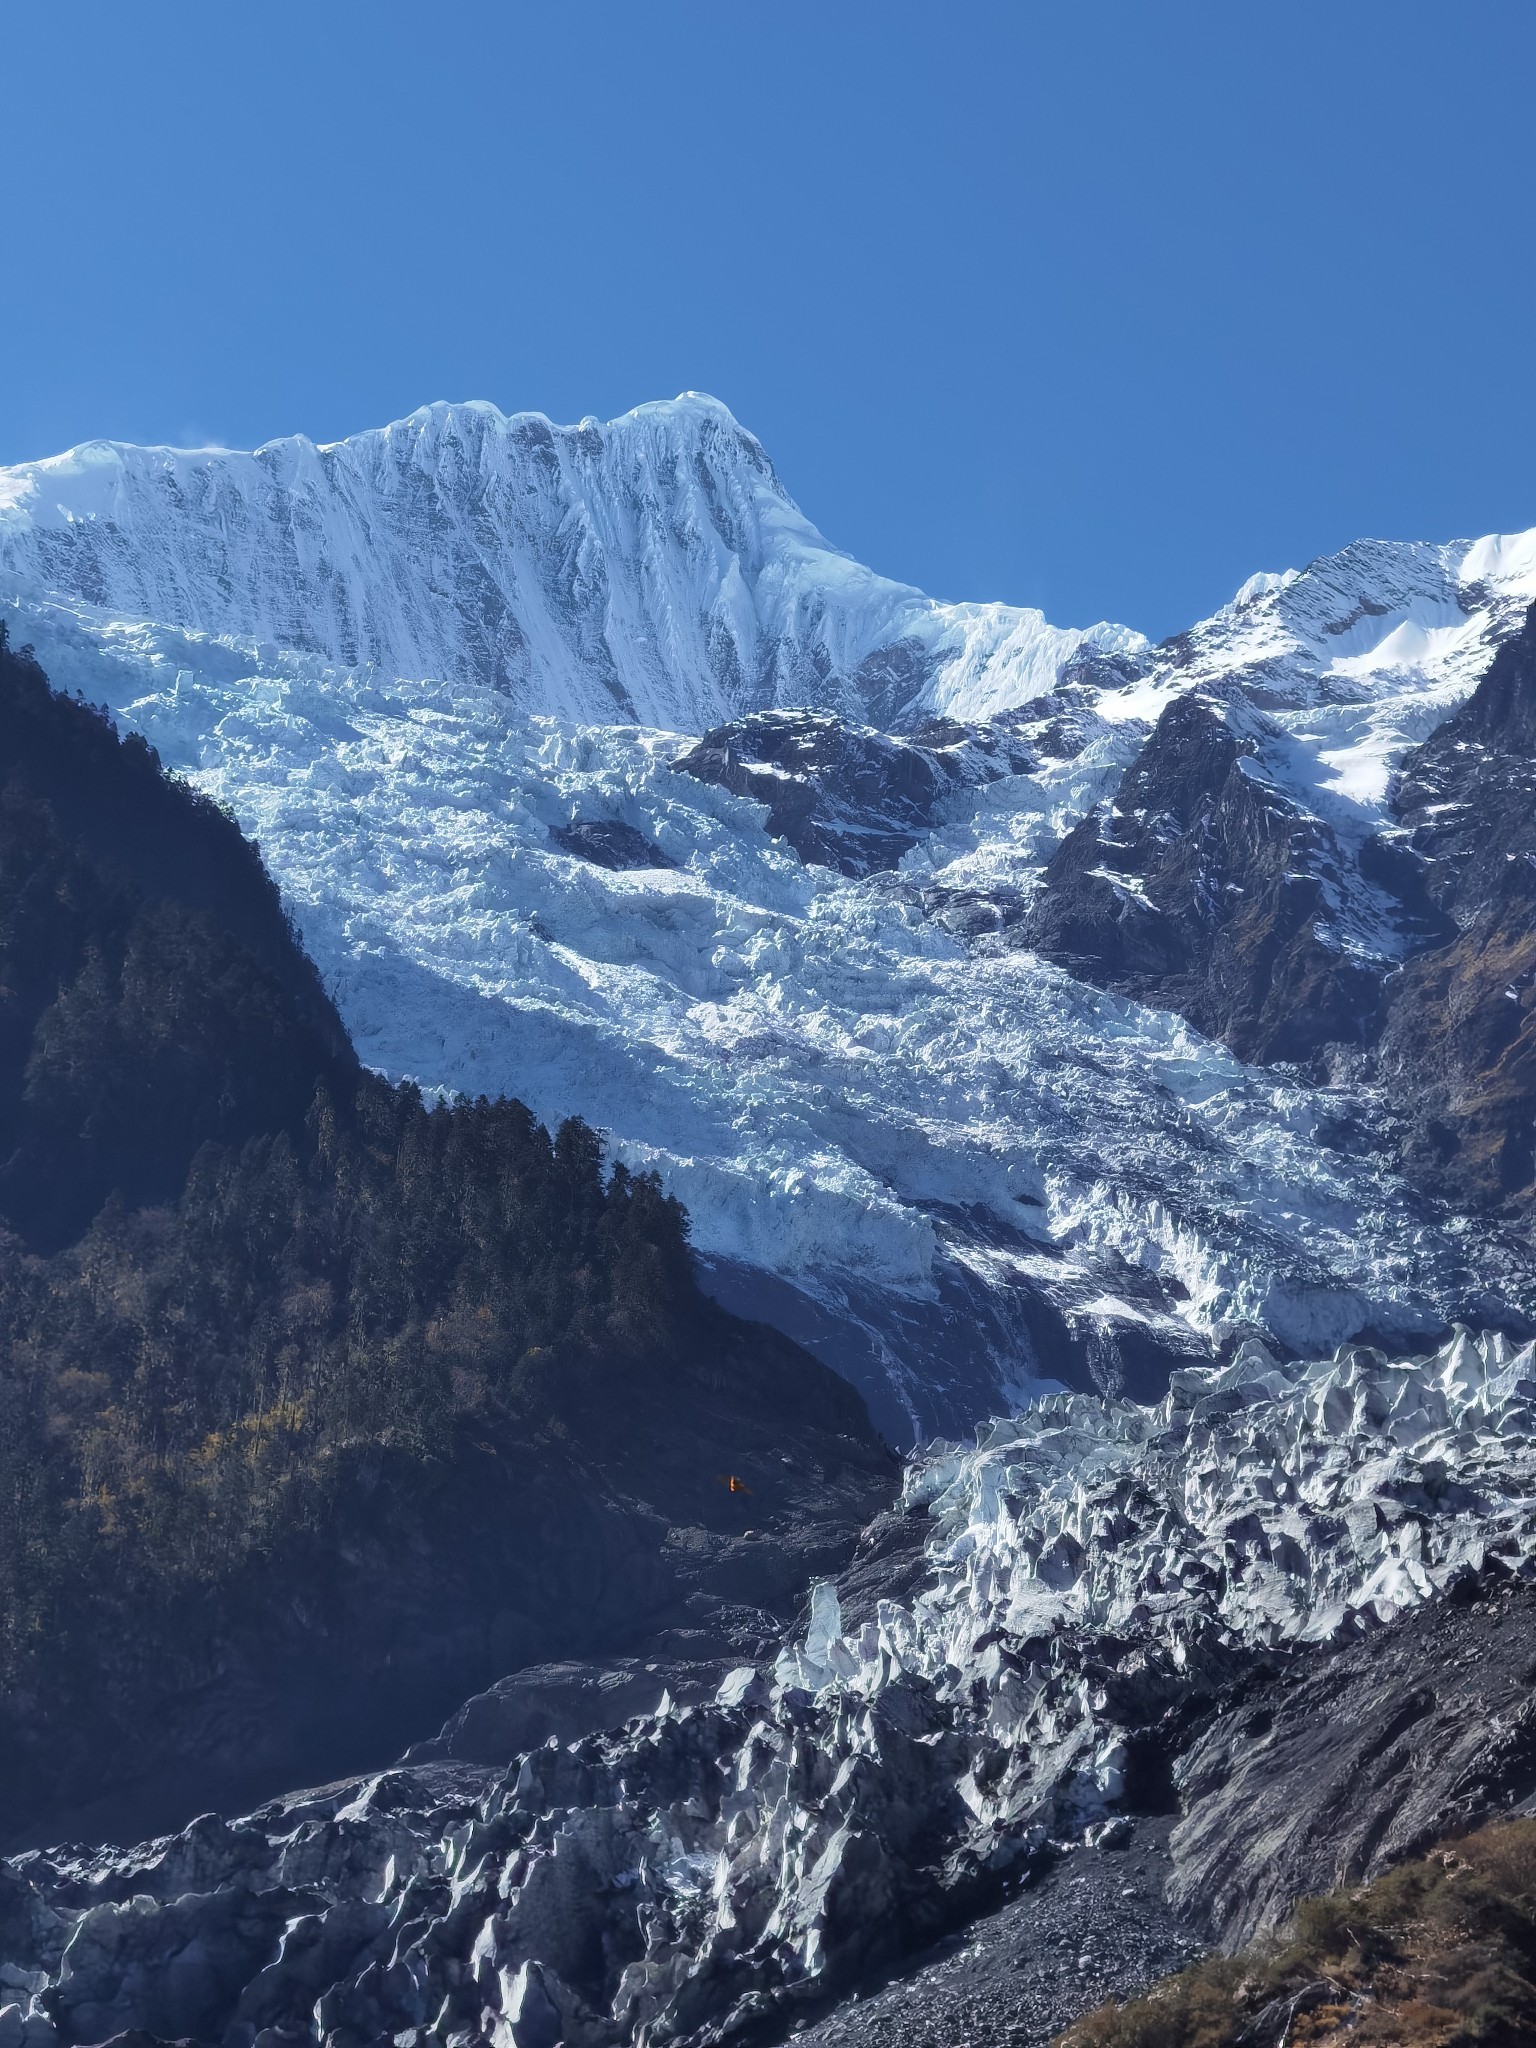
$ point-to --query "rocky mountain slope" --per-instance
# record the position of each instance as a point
(591, 771)
(1205, 888)
(1441, 1949)
(1457, 1051)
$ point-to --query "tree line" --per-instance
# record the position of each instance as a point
(230, 1260)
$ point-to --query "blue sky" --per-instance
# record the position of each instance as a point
(1099, 305)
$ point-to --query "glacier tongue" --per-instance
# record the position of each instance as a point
(1093, 1568)
(1257, 1503)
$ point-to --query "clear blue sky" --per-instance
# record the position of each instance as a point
(1099, 305)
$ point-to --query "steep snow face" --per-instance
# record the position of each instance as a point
(1092, 1568)
(652, 569)
(1353, 660)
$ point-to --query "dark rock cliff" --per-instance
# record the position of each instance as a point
(1203, 889)
(842, 795)
(1459, 1049)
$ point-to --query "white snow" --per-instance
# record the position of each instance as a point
(404, 658)
(1359, 657)
(651, 568)
(1257, 1504)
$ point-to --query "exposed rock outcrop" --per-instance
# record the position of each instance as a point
(1459, 1050)
(1205, 888)
(1342, 1763)
(848, 797)
(609, 843)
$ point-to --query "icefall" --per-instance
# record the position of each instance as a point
(1091, 1566)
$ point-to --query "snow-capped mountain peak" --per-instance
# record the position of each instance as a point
(651, 569)
(595, 774)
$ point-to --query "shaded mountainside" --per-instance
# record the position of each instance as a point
(319, 1406)
(1205, 888)
(152, 994)
(1459, 1050)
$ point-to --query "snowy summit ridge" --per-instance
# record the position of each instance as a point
(651, 569)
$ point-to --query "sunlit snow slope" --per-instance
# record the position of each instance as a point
(414, 661)
(652, 569)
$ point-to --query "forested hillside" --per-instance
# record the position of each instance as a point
(294, 1365)
(152, 994)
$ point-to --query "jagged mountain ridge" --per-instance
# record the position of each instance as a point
(790, 965)
(652, 569)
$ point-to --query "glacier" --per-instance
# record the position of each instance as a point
(1091, 1570)
(426, 665)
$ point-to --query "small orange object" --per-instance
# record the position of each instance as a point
(732, 1484)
